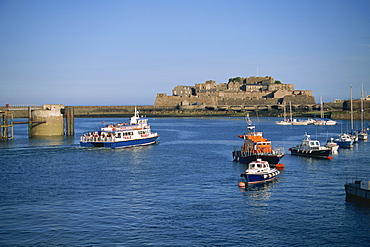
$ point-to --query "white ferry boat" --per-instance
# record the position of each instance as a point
(136, 133)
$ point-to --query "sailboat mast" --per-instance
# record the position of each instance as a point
(362, 107)
(284, 111)
(351, 111)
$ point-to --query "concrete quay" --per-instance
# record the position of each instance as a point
(332, 111)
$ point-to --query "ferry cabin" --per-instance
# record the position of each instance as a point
(109, 136)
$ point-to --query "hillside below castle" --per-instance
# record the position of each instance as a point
(238, 94)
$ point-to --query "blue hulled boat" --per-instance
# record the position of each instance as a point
(344, 141)
(136, 133)
(259, 172)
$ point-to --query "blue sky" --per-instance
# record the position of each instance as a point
(117, 52)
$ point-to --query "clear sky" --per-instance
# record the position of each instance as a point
(120, 52)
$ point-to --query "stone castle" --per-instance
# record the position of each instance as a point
(238, 94)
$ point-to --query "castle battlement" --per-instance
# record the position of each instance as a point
(239, 91)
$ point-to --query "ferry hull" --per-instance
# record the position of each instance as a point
(315, 154)
(122, 144)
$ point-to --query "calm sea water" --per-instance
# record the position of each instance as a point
(180, 192)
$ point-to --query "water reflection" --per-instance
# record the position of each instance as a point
(44, 141)
(47, 140)
(259, 193)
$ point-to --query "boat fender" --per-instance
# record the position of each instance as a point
(279, 166)
(241, 185)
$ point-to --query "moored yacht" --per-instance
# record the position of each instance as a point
(344, 141)
(311, 148)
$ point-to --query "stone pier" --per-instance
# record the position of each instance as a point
(47, 121)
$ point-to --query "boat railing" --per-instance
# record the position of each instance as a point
(274, 151)
(97, 139)
(278, 150)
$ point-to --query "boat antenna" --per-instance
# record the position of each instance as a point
(248, 120)
(249, 123)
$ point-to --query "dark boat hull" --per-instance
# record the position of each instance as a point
(323, 154)
(258, 178)
(354, 193)
(271, 159)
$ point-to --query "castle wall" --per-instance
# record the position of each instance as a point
(246, 101)
(251, 91)
(300, 99)
(241, 94)
(303, 92)
(274, 87)
(356, 105)
(183, 91)
(259, 80)
(162, 100)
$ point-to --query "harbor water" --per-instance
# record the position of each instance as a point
(181, 192)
